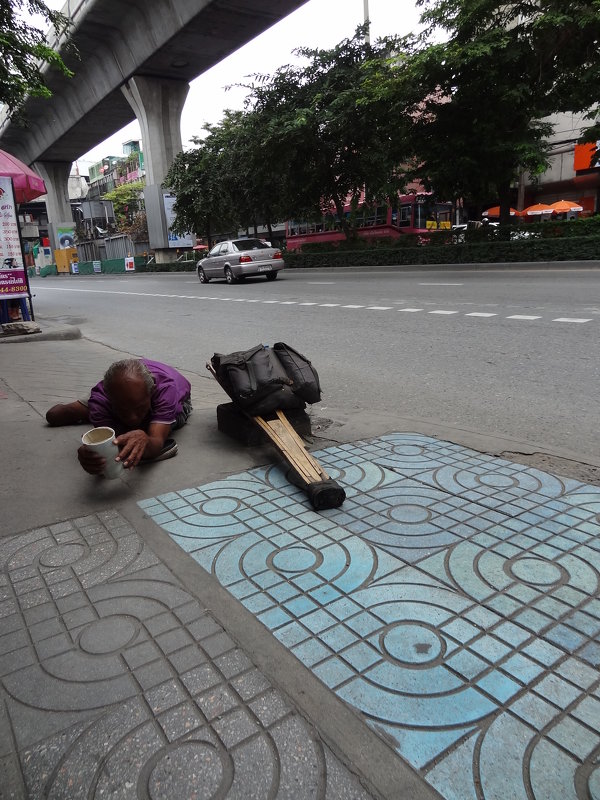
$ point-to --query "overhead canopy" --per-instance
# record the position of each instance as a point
(27, 184)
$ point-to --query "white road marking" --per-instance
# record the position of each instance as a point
(441, 284)
(570, 319)
(526, 317)
(480, 314)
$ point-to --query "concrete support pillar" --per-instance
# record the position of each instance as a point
(157, 103)
(56, 177)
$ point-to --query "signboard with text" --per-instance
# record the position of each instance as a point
(129, 264)
(13, 280)
(175, 240)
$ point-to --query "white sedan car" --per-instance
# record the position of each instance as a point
(237, 259)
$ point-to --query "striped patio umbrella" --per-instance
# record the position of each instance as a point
(537, 210)
(495, 212)
(564, 206)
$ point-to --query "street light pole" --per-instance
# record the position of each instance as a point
(367, 21)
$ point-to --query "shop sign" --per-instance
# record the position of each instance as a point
(13, 280)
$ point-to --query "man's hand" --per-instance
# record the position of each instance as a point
(92, 462)
(132, 446)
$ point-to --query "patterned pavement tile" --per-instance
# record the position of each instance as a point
(115, 682)
(452, 600)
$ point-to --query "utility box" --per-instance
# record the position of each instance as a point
(64, 258)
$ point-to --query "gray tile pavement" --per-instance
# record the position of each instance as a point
(117, 682)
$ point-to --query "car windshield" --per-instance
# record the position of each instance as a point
(250, 244)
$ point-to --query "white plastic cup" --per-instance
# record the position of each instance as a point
(101, 441)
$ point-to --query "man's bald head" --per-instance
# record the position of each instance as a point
(129, 385)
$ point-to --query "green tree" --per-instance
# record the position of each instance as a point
(252, 181)
(481, 99)
(329, 128)
(25, 52)
(126, 201)
(198, 178)
(137, 229)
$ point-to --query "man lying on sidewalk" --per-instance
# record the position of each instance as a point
(142, 400)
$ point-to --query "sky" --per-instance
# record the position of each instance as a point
(317, 24)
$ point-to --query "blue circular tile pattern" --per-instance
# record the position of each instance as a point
(295, 559)
(537, 571)
(412, 645)
(452, 600)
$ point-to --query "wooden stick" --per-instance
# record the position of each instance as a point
(283, 435)
(321, 472)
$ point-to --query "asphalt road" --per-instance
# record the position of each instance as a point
(502, 352)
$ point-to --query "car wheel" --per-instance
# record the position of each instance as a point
(271, 276)
(202, 276)
(229, 276)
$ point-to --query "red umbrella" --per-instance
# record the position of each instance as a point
(27, 184)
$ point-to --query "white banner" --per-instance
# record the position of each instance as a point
(10, 242)
(13, 280)
(185, 241)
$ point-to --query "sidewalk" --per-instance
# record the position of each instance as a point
(197, 630)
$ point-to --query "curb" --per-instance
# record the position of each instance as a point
(50, 334)
(591, 264)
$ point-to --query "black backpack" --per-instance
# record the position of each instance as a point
(256, 380)
(304, 377)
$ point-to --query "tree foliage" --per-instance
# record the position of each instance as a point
(126, 201)
(25, 53)
(481, 100)
(310, 138)
(199, 179)
(329, 128)
(464, 117)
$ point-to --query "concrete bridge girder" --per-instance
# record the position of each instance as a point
(56, 177)
(130, 45)
(158, 104)
(172, 39)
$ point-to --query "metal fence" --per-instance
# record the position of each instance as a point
(122, 246)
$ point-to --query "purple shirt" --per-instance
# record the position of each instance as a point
(170, 390)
